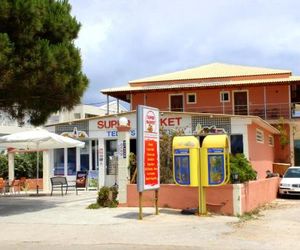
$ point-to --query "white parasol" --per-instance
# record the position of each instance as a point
(36, 140)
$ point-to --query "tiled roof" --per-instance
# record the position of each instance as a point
(214, 70)
(129, 88)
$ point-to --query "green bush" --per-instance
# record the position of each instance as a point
(166, 155)
(240, 166)
(93, 206)
(25, 165)
(107, 197)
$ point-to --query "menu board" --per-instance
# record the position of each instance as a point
(81, 177)
(148, 148)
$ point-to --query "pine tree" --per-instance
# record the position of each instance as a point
(40, 68)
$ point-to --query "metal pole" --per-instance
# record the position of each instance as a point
(201, 192)
(156, 202)
(203, 201)
(37, 169)
(140, 206)
(265, 102)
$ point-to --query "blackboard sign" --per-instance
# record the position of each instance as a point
(81, 179)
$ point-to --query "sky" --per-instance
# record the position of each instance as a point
(123, 40)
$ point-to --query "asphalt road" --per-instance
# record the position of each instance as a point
(65, 223)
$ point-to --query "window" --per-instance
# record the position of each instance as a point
(191, 98)
(176, 103)
(84, 157)
(59, 167)
(259, 136)
(111, 157)
(271, 141)
(71, 161)
(236, 144)
(224, 96)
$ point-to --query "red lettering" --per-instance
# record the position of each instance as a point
(163, 122)
(109, 124)
(100, 124)
(113, 123)
(171, 121)
(178, 120)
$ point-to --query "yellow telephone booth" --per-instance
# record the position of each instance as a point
(186, 160)
(215, 170)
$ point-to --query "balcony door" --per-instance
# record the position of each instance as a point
(240, 102)
(176, 102)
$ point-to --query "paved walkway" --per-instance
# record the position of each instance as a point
(64, 223)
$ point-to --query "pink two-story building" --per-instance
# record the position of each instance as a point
(272, 94)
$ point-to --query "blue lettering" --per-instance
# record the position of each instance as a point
(112, 133)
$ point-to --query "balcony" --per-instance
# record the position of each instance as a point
(267, 112)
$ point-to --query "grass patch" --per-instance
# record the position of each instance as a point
(253, 215)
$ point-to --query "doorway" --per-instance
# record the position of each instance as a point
(297, 152)
(176, 102)
(240, 102)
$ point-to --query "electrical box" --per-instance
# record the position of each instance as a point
(186, 160)
(214, 154)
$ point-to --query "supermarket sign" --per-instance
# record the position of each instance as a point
(148, 124)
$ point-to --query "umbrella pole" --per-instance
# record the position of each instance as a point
(37, 169)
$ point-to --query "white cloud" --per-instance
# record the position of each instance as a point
(122, 40)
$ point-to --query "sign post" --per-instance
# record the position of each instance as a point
(147, 152)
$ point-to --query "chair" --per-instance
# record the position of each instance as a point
(2, 186)
(15, 186)
(23, 184)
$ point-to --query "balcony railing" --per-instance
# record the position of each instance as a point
(270, 111)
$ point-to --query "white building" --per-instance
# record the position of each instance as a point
(83, 111)
(9, 126)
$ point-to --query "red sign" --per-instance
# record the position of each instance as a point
(147, 148)
(150, 162)
(166, 121)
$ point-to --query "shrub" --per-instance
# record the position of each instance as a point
(93, 206)
(107, 197)
(240, 166)
(25, 165)
(166, 155)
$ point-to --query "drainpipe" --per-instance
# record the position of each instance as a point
(290, 104)
(265, 102)
(223, 103)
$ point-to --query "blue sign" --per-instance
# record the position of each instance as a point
(216, 169)
(182, 151)
(182, 169)
(215, 150)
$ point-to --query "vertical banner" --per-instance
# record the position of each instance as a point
(147, 148)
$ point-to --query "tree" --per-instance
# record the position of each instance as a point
(40, 67)
(166, 154)
(25, 165)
